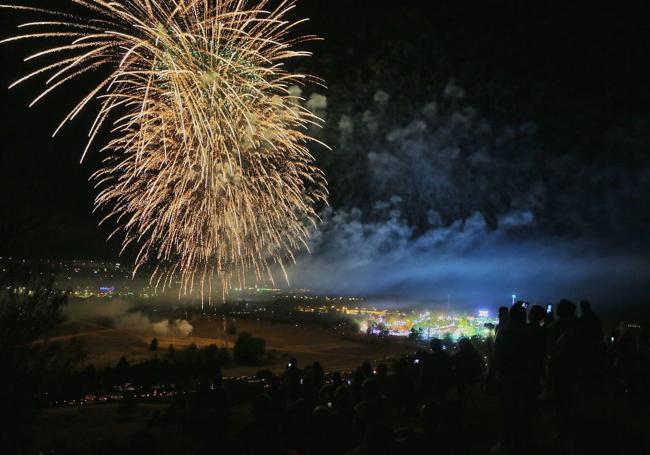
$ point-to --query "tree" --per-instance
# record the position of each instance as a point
(416, 334)
(248, 349)
(123, 370)
(31, 365)
(231, 329)
(153, 347)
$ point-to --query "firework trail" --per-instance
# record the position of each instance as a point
(207, 168)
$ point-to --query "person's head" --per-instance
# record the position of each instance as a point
(382, 370)
(536, 315)
(337, 379)
(585, 307)
(370, 389)
(517, 314)
(566, 309)
(308, 380)
(343, 397)
(358, 377)
(436, 345)
(465, 345)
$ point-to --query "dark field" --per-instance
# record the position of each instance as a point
(306, 343)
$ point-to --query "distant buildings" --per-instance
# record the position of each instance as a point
(428, 324)
(81, 278)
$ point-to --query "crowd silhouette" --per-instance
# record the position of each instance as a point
(541, 367)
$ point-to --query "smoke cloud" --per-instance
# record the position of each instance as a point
(446, 204)
(123, 315)
(468, 263)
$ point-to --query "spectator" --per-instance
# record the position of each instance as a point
(592, 346)
(503, 319)
(538, 349)
(513, 374)
(437, 371)
(564, 366)
(293, 379)
(467, 366)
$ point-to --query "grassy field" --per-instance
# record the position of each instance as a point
(307, 343)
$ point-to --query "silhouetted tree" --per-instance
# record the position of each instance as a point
(31, 366)
(248, 349)
(231, 329)
(122, 370)
(416, 334)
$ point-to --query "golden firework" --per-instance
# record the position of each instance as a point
(207, 169)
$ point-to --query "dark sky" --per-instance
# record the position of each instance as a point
(574, 69)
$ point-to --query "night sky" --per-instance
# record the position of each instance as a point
(577, 72)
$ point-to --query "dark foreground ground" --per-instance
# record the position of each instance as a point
(543, 384)
(607, 423)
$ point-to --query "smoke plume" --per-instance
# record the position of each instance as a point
(123, 315)
(442, 203)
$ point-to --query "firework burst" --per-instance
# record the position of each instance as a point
(207, 169)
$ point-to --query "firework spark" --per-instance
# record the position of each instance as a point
(207, 168)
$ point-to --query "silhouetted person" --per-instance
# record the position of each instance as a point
(343, 402)
(278, 394)
(322, 429)
(565, 323)
(366, 368)
(219, 407)
(357, 382)
(592, 325)
(373, 409)
(512, 366)
(626, 360)
(592, 345)
(436, 439)
(405, 386)
(644, 362)
(467, 366)
(292, 379)
(490, 378)
(318, 375)
(374, 419)
(538, 348)
(209, 414)
(550, 316)
(263, 435)
(326, 393)
(383, 379)
(437, 371)
(503, 319)
(343, 417)
(565, 365)
(309, 389)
